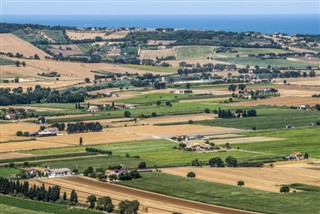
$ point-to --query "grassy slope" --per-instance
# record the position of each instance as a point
(8, 172)
(226, 195)
(39, 207)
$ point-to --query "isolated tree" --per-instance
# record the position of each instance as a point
(19, 133)
(80, 141)
(158, 103)
(284, 81)
(232, 87)
(105, 204)
(206, 110)
(196, 163)
(36, 56)
(73, 198)
(17, 63)
(240, 183)
(231, 161)
(23, 64)
(242, 86)
(64, 197)
(285, 189)
(168, 103)
(142, 165)
(216, 162)
(127, 114)
(91, 199)
(191, 175)
(87, 80)
(306, 156)
(129, 207)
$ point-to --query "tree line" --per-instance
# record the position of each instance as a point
(84, 127)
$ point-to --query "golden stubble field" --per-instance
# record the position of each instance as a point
(149, 202)
(13, 44)
(267, 179)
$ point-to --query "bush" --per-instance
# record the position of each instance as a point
(191, 175)
(190, 122)
(26, 134)
(285, 189)
(240, 183)
(142, 165)
(19, 133)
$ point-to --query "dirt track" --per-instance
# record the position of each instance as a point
(156, 203)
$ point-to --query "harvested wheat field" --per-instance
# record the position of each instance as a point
(153, 54)
(29, 145)
(308, 81)
(81, 35)
(150, 202)
(169, 131)
(246, 140)
(90, 138)
(11, 155)
(49, 83)
(8, 130)
(267, 179)
(178, 118)
(280, 101)
(13, 44)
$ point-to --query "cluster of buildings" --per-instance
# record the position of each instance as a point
(47, 172)
(96, 108)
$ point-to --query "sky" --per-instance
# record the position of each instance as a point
(158, 7)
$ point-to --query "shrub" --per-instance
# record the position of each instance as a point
(19, 133)
(191, 175)
(240, 183)
(142, 165)
(285, 189)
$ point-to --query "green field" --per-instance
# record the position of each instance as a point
(301, 140)
(253, 61)
(269, 118)
(159, 152)
(226, 195)
(8, 172)
(152, 98)
(22, 206)
(151, 68)
(95, 162)
(194, 52)
(4, 61)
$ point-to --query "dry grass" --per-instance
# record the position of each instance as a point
(13, 44)
(301, 81)
(29, 145)
(81, 35)
(11, 155)
(8, 130)
(268, 179)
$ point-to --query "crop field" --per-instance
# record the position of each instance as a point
(178, 118)
(227, 195)
(12, 155)
(155, 203)
(305, 140)
(253, 61)
(57, 49)
(81, 35)
(236, 140)
(152, 68)
(153, 54)
(301, 81)
(16, 205)
(8, 130)
(269, 118)
(13, 44)
(193, 52)
(281, 101)
(4, 61)
(29, 145)
(267, 179)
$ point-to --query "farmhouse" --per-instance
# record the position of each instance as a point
(11, 116)
(51, 173)
(93, 109)
(295, 156)
(52, 131)
(183, 91)
(304, 107)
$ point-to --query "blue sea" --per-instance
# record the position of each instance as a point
(289, 24)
